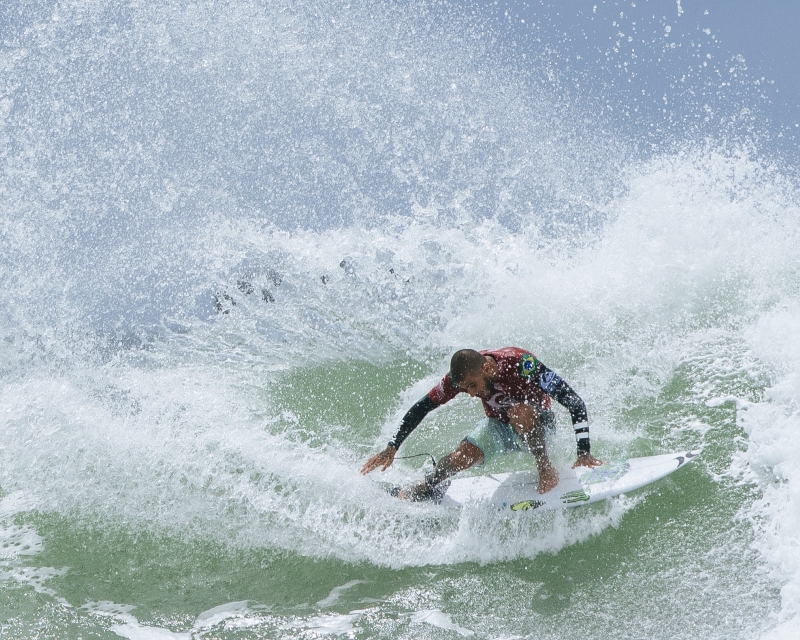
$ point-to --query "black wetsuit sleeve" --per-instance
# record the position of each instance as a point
(412, 419)
(566, 396)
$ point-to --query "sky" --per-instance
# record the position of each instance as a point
(765, 32)
(644, 46)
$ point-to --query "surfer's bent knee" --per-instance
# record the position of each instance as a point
(471, 453)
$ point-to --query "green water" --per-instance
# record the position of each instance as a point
(674, 553)
(652, 562)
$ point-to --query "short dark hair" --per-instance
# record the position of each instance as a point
(464, 363)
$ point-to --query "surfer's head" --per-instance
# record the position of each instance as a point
(472, 372)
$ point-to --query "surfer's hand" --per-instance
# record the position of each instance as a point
(383, 459)
(587, 460)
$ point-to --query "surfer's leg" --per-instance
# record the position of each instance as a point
(526, 421)
(465, 456)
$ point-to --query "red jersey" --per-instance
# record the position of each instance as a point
(520, 380)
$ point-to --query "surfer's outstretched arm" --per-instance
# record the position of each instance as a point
(565, 395)
(410, 422)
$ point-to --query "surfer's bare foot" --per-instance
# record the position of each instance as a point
(405, 493)
(425, 490)
(548, 477)
(416, 492)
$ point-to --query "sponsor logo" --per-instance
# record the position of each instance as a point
(526, 504)
(575, 496)
(549, 382)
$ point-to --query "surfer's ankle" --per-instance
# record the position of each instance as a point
(544, 464)
(431, 487)
(548, 476)
(421, 490)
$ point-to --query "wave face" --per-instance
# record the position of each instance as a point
(239, 241)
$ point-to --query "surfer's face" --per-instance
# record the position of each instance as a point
(477, 385)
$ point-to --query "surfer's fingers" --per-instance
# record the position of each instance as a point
(387, 459)
(370, 465)
(379, 459)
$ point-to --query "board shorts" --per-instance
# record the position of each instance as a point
(495, 437)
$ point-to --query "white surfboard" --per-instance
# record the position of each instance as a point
(576, 487)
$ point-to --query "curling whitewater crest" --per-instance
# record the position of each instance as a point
(163, 409)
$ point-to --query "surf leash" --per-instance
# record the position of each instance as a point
(418, 455)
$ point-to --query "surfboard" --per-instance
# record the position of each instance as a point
(518, 491)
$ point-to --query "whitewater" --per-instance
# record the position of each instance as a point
(238, 240)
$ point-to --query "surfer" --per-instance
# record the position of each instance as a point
(515, 389)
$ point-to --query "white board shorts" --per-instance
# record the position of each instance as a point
(496, 438)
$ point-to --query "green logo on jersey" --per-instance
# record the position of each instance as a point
(528, 365)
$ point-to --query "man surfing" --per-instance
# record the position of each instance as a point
(515, 389)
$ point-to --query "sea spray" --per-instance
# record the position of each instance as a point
(239, 241)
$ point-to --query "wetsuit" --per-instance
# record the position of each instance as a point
(521, 379)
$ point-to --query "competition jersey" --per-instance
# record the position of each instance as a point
(521, 379)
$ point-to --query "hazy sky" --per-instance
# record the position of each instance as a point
(637, 49)
(765, 32)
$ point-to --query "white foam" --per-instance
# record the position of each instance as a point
(16, 502)
(437, 618)
(231, 615)
(223, 612)
(772, 460)
(34, 577)
(336, 593)
(329, 624)
(788, 630)
(179, 431)
(136, 631)
(108, 608)
(18, 542)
